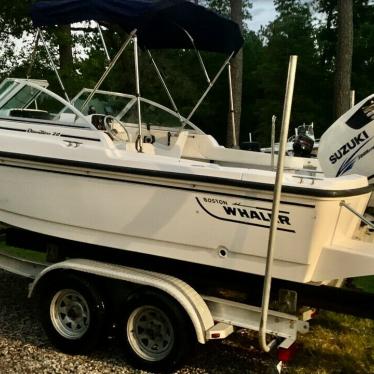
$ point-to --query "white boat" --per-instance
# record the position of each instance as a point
(156, 184)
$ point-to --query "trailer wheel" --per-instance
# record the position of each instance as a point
(72, 313)
(158, 333)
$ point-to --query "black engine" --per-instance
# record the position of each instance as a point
(303, 146)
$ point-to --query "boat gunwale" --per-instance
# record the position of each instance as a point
(185, 177)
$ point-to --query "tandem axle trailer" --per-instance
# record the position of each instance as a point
(160, 316)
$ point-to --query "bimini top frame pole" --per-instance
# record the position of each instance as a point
(211, 84)
(232, 109)
(165, 86)
(103, 41)
(109, 69)
(139, 140)
(198, 55)
(33, 55)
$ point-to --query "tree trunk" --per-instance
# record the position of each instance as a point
(237, 78)
(343, 58)
(65, 45)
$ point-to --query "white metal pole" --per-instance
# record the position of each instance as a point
(198, 55)
(33, 55)
(232, 110)
(276, 202)
(109, 69)
(211, 84)
(352, 98)
(165, 86)
(273, 122)
(103, 41)
(137, 83)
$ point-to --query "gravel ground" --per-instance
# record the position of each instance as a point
(25, 349)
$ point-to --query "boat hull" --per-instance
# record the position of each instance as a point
(205, 223)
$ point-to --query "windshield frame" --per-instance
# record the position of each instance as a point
(130, 105)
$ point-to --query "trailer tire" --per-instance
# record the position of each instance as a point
(72, 313)
(158, 335)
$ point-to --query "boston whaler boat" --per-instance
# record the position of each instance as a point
(123, 172)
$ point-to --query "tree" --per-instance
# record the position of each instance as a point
(14, 22)
(362, 61)
(237, 79)
(65, 48)
(238, 10)
(344, 53)
(292, 32)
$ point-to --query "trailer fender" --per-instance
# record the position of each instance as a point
(185, 295)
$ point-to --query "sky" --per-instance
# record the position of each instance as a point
(262, 12)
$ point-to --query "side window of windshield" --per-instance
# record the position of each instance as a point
(21, 99)
(4, 86)
(32, 103)
(47, 105)
(151, 115)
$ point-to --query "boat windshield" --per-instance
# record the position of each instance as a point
(124, 108)
(30, 99)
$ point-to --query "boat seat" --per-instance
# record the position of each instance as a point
(176, 150)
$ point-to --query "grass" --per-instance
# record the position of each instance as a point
(336, 344)
(23, 253)
(365, 283)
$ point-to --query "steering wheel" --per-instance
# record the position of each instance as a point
(116, 129)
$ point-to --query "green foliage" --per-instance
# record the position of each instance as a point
(365, 283)
(363, 24)
(291, 33)
(14, 21)
(223, 7)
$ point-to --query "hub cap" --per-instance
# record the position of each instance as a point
(150, 333)
(70, 314)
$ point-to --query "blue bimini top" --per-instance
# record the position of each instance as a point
(159, 23)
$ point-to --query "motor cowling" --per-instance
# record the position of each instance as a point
(347, 146)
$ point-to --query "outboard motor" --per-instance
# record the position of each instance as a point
(303, 146)
(347, 147)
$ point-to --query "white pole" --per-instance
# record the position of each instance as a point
(103, 41)
(108, 69)
(352, 98)
(276, 202)
(273, 122)
(33, 55)
(232, 110)
(211, 84)
(137, 82)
